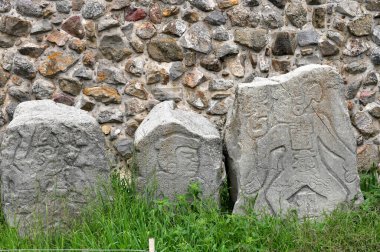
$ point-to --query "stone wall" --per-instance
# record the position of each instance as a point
(118, 58)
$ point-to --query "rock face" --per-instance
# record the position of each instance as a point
(52, 156)
(290, 144)
(175, 148)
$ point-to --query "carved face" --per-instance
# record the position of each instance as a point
(178, 155)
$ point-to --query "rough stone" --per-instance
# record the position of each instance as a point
(373, 109)
(220, 34)
(135, 67)
(73, 26)
(361, 26)
(110, 115)
(136, 88)
(57, 37)
(328, 48)
(167, 93)
(372, 5)
(114, 48)
(308, 37)
(279, 3)
(348, 8)
(7, 41)
(203, 5)
(376, 34)
(272, 18)
(23, 67)
(375, 56)
(226, 49)
(355, 67)
(220, 107)
(164, 49)
(176, 70)
(4, 77)
(15, 26)
(103, 94)
(282, 140)
(120, 4)
(183, 148)
(190, 16)
(194, 78)
(243, 17)
(175, 27)
(77, 45)
(284, 43)
(70, 85)
(220, 85)
(5, 6)
(31, 50)
(64, 99)
(124, 146)
(256, 39)
(63, 6)
(20, 93)
(57, 62)
(197, 38)
(211, 63)
(135, 14)
(93, 9)
(296, 13)
(216, 18)
(43, 89)
(367, 154)
(370, 79)
(355, 47)
(29, 8)
(364, 123)
(41, 26)
(106, 23)
(110, 75)
(155, 13)
(145, 30)
(50, 148)
(319, 16)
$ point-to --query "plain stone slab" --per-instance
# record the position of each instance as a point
(290, 144)
(52, 157)
(175, 148)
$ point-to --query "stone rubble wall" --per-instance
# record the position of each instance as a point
(119, 58)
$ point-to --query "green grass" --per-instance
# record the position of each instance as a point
(128, 220)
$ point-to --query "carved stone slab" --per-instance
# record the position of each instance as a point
(175, 148)
(51, 157)
(290, 144)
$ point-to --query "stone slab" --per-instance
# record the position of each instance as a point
(175, 148)
(290, 144)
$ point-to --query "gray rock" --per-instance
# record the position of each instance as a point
(315, 2)
(134, 106)
(243, 17)
(43, 89)
(307, 37)
(373, 109)
(355, 67)
(348, 8)
(176, 70)
(7, 41)
(355, 47)
(367, 155)
(256, 39)
(31, 50)
(198, 38)
(364, 123)
(120, 4)
(15, 26)
(145, 30)
(227, 49)
(50, 150)
(93, 9)
(376, 35)
(328, 48)
(175, 27)
(372, 5)
(220, 106)
(10, 110)
(23, 67)
(296, 13)
(337, 37)
(272, 18)
(284, 43)
(167, 93)
(70, 85)
(110, 115)
(352, 89)
(29, 8)
(216, 18)
(307, 60)
(135, 66)
(63, 6)
(361, 26)
(220, 34)
(183, 147)
(375, 56)
(5, 6)
(163, 49)
(278, 3)
(124, 147)
(220, 85)
(41, 26)
(83, 73)
(107, 22)
(370, 79)
(203, 5)
(3, 121)
(211, 63)
(110, 75)
(280, 152)
(20, 93)
(113, 47)
(4, 77)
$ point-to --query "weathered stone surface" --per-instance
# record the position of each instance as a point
(63, 6)
(31, 50)
(272, 18)
(211, 63)
(307, 37)
(20, 93)
(110, 75)
(373, 5)
(56, 62)
(4, 77)
(243, 17)
(43, 89)
(5, 6)
(135, 14)
(114, 48)
(364, 123)
(367, 155)
(198, 38)
(50, 150)
(375, 56)
(296, 13)
(285, 43)
(23, 67)
(57, 37)
(145, 30)
(107, 22)
(376, 34)
(41, 26)
(29, 8)
(183, 147)
(355, 47)
(155, 13)
(361, 26)
(103, 94)
(203, 5)
(70, 85)
(7, 41)
(328, 48)
(216, 18)
(348, 8)
(253, 38)
(164, 49)
(175, 27)
(290, 144)
(93, 9)
(194, 78)
(15, 26)
(73, 26)
(137, 89)
(220, 85)
(319, 16)
(279, 3)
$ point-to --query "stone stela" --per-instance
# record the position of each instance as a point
(290, 144)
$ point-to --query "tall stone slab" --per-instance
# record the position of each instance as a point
(175, 148)
(52, 160)
(290, 144)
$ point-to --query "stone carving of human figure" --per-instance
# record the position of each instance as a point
(297, 150)
(178, 163)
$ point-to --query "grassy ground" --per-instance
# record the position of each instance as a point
(129, 220)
